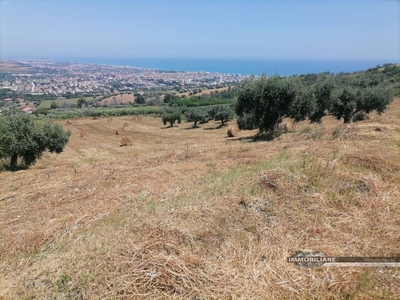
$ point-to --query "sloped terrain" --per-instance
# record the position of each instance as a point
(191, 213)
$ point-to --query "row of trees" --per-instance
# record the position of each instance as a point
(97, 112)
(197, 115)
(213, 98)
(263, 103)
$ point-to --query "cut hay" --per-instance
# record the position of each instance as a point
(193, 214)
(83, 133)
(231, 132)
(385, 163)
(160, 264)
(126, 141)
(287, 126)
(119, 131)
(126, 124)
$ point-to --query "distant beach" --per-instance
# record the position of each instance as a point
(233, 66)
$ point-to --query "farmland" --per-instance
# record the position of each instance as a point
(190, 213)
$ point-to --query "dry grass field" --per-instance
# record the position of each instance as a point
(118, 99)
(193, 214)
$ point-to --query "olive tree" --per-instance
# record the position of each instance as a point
(21, 136)
(171, 117)
(263, 103)
(323, 89)
(349, 102)
(196, 115)
(223, 114)
(220, 113)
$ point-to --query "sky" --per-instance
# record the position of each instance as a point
(231, 29)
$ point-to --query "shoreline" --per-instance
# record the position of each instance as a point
(283, 67)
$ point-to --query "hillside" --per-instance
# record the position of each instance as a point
(191, 213)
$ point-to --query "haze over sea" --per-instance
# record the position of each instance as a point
(237, 66)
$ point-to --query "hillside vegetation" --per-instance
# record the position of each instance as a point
(190, 213)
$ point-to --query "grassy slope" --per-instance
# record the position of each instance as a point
(190, 213)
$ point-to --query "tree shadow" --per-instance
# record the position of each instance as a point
(263, 137)
(191, 128)
(214, 128)
(243, 138)
(266, 136)
(6, 167)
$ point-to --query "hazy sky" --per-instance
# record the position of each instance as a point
(313, 29)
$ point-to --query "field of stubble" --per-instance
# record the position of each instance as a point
(192, 214)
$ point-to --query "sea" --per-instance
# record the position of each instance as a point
(282, 67)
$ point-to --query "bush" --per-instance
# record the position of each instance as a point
(360, 116)
(41, 111)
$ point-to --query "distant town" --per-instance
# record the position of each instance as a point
(22, 80)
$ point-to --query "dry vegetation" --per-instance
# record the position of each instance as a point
(126, 141)
(118, 99)
(120, 131)
(194, 214)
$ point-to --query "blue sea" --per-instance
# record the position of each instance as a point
(283, 67)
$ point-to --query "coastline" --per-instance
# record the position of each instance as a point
(283, 67)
